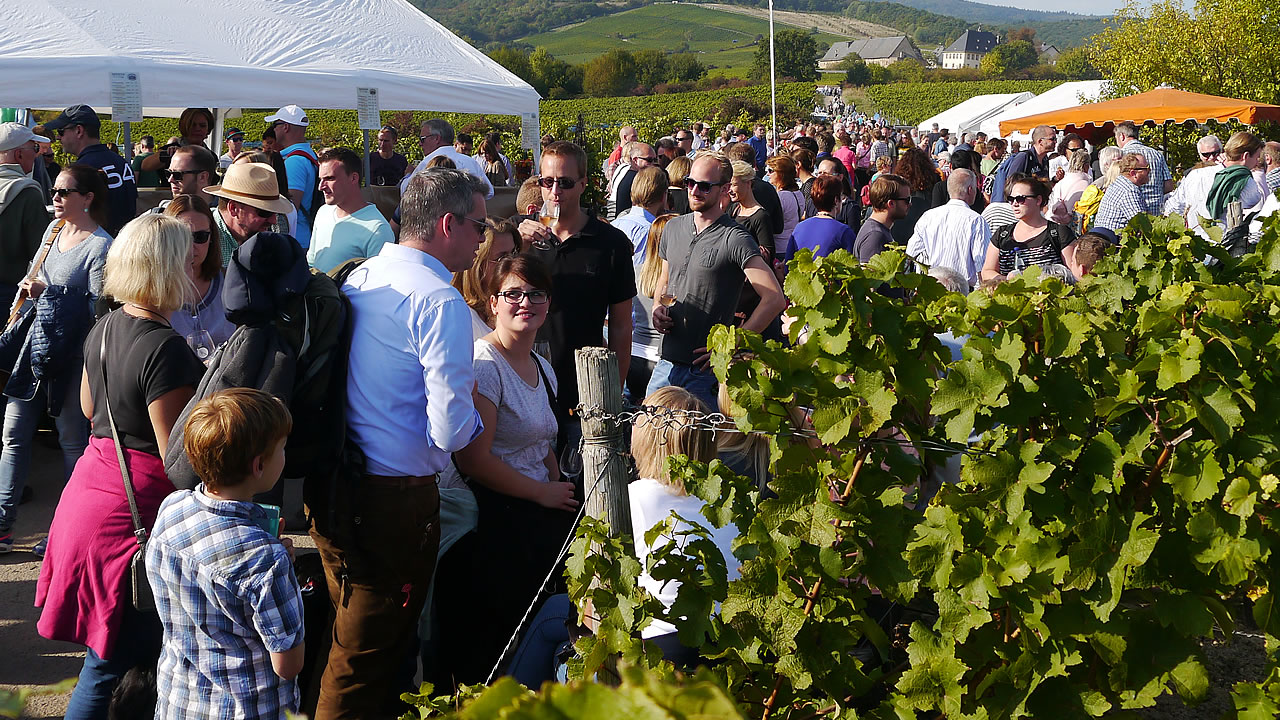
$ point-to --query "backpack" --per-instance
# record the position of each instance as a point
(1086, 208)
(317, 197)
(292, 342)
(1001, 175)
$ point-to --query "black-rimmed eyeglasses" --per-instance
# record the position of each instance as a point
(515, 297)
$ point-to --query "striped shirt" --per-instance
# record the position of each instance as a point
(227, 598)
(1043, 249)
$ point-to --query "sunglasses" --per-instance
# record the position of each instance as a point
(1207, 155)
(650, 160)
(200, 237)
(565, 183)
(263, 214)
(701, 186)
(64, 192)
(423, 138)
(67, 129)
(515, 297)
(1019, 199)
(901, 199)
(481, 225)
(170, 175)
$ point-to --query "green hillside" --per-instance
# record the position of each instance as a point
(1063, 29)
(724, 42)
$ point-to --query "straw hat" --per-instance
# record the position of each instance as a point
(252, 184)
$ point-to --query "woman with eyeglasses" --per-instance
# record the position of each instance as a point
(62, 283)
(202, 320)
(501, 241)
(1033, 239)
(525, 511)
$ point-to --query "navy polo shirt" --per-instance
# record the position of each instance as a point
(122, 191)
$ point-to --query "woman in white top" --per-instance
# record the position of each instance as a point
(656, 495)
(1065, 194)
(501, 241)
(488, 579)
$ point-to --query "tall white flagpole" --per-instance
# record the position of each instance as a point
(773, 82)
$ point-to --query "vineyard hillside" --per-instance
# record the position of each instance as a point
(912, 103)
(723, 41)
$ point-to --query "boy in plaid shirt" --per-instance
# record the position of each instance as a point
(225, 588)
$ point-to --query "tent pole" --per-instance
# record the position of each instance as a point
(366, 158)
(219, 124)
(128, 142)
(1165, 143)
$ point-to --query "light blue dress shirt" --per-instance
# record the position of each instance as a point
(635, 223)
(410, 375)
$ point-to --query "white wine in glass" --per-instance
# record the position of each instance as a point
(666, 300)
(549, 214)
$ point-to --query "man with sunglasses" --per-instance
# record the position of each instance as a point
(706, 257)
(1194, 188)
(251, 199)
(636, 156)
(1161, 181)
(78, 127)
(591, 272)
(192, 168)
(22, 212)
(1123, 199)
(890, 197)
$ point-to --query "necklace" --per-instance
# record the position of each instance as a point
(149, 311)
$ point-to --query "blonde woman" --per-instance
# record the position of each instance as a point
(656, 495)
(646, 343)
(140, 374)
(501, 241)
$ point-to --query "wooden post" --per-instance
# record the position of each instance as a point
(600, 388)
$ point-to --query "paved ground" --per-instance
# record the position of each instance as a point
(28, 659)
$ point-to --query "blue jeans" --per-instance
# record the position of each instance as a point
(535, 659)
(137, 643)
(702, 383)
(21, 418)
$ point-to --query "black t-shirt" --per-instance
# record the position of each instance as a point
(145, 360)
(1043, 249)
(757, 224)
(387, 171)
(122, 191)
(678, 200)
(767, 196)
(589, 272)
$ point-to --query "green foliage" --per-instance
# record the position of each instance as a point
(1074, 64)
(484, 21)
(12, 702)
(1163, 43)
(795, 55)
(924, 27)
(1009, 57)
(913, 103)
(855, 70)
(610, 74)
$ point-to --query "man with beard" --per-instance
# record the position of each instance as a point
(705, 257)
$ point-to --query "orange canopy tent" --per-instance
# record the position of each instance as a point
(1156, 107)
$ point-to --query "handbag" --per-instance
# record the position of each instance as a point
(23, 313)
(140, 586)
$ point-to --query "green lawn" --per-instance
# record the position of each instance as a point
(724, 41)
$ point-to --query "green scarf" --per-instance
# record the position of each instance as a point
(1228, 186)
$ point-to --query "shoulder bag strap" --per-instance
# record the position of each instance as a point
(35, 269)
(562, 433)
(139, 532)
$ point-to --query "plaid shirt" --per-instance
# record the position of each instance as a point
(1153, 192)
(1120, 203)
(227, 598)
(1273, 180)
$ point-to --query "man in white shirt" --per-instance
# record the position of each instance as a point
(348, 226)
(1194, 188)
(437, 139)
(636, 156)
(953, 236)
(409, 405)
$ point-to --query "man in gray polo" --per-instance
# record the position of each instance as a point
(705, 257)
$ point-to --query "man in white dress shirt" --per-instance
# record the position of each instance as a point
(953, 235)
(437, 139)
(409, 405)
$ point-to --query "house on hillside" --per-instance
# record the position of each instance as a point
(1048, 54)
(968, 49)
(883, 51)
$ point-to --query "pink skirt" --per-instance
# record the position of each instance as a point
(83, 587)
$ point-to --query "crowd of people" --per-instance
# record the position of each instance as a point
(459, 482)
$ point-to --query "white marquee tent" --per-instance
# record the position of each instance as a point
(969, 115)
(1066, 95)
(246, 53)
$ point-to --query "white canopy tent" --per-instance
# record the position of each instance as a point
(969, 115)
(226, 54)
(1065, 95)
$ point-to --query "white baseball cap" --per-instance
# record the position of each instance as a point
(291, 114)
(15, 135)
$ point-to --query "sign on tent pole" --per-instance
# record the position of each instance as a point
(368, 112)
(126, 97)
(531, 136)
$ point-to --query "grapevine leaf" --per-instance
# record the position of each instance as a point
(1266, 613)
(1191, 680)
(1253, 702)
(1220, 414)
(1180, 364)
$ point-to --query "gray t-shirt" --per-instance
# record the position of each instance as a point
(80, 267)
(706, 273)
(526, 428)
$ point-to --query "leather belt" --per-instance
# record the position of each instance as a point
(400, 481)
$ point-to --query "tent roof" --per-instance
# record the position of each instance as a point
(1156, 106)
(968, 115)
(1062, 96)
(247, 53)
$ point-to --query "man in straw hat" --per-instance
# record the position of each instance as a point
(252, 198)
